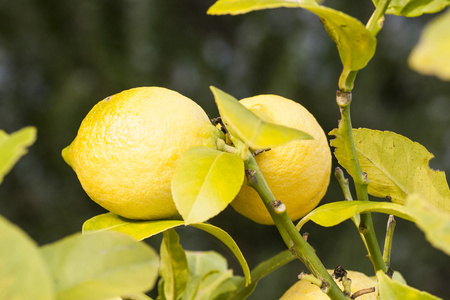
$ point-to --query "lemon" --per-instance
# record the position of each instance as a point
(305, 290)
(128, 145)
(298, 173)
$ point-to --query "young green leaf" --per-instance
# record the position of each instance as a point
(396, 166)
(235, 7)
(414, 8)
(100, 265)
(432, 221)
(392, 289)
(205, 182)
(332, 214)
(23, 273)
(213, 284)
(431, 56)
(144, 229)
(250, 128)
(174, 266)
(13, 147)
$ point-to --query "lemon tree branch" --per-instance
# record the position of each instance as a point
(291, 236)
(366, 228)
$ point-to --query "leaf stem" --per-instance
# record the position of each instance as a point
(366, 228)
(291, 236)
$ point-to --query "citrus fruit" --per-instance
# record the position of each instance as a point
(305, 290)
(128, 145)
(298, 173)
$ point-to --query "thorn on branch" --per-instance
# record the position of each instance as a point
(305, 236)
(218, 120)
(259, 151)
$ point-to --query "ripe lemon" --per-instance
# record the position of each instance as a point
(298, 173)
(305, 290)
(127, 148)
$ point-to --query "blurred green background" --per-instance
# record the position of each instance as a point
(59, 57)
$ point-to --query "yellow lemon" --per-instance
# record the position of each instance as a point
(298, 173)
(127, 148)
(305, 290)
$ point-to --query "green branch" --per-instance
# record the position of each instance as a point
(291, 236)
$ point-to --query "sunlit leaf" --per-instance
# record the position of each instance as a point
(414, 8)
(396, 166)
(431, 56)
(205, 182)
(246, 125)
(100, 265)
(432, 221)
(144, 229)
(23, 271)
(391, 289)
(235, 7)
(356, 45)
(13, 147)
(334, 213)
(174, 266)
(138, 229)
(214, 284)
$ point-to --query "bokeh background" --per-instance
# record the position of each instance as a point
(59, 57)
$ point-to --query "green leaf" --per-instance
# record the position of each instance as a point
(356, 45)
(392, 289)
(396, 166)
(235, 7)
(247, 126)
(263, 269)
(138, 229)
(100, 265)
(13, 147)
(205, 182)
(144, 229)
(214, 284)
(334, 213)
(23, 271)
(432, 221)
(431, 56)
(414, 8)
(225, 238)
(203, 262)
(174, 266)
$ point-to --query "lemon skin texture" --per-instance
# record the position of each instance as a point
(305, 290)
(298, 173)
(128, 145)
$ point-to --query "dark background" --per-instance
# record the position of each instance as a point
(59, 57)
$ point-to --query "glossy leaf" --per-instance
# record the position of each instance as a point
(100, 265)
(432, 221)
(356, 45)
(23, 272)
(144, 229)
(392, 289)
(431, 56)
(396, 166)
(174, 266)
(235, 7)
(205, 182)
(414, 8)
(332, 214)
(251, 129)
(13, 147)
